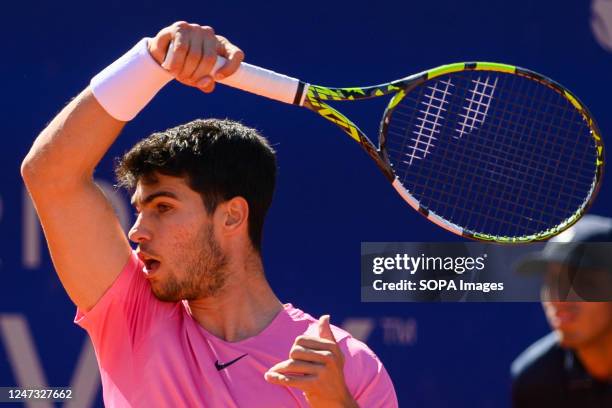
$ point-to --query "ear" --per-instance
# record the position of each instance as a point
(235, 214)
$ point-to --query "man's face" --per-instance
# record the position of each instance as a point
(176, 241)
(577, 323)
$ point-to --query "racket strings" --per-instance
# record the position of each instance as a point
(508, 157)
(512, 121)
(573, 119)
(434, 107)
(475, 116)
(516, 112)
(524, 212)
(527, 164)
(526, 175)
(559, 167)
(516, 195)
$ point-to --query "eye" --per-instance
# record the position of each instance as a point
(162, 208)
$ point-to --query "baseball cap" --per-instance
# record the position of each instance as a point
(587, 244)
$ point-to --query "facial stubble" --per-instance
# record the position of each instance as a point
(203, 263)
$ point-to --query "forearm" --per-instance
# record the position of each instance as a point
(69, 148)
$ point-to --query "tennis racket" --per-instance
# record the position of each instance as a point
(488, 151)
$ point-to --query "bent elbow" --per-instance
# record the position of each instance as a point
(28, 168)
(35, 170)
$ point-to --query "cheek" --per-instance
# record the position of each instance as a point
(549, 309)
(178, 234)
(179, 243)
(178, 251)
(180, 240)
(596, 317)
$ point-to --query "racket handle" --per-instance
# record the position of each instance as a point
(263, 82)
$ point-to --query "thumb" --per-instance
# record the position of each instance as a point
(159, 46)
(325, 331)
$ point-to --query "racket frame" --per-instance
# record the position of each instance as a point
(315, 97)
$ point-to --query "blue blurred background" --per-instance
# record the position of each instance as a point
(330, 196)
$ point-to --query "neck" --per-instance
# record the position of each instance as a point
(245, 305)
(597, 357)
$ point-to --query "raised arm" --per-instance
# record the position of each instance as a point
(87, 245)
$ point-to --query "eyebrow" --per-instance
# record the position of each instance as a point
(153, 196)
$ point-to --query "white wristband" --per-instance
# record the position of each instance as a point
(126, 86)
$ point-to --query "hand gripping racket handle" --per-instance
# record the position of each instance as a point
(263, 82)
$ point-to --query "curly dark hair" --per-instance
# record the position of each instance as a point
(220, 159)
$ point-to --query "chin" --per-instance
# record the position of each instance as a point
(162, 295)
(566, 339)
(573, 337)
(165, 298)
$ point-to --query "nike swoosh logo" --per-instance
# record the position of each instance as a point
(221, 366)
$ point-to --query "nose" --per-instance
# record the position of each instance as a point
(139, 232)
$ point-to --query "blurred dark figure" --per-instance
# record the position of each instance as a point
(572, 366)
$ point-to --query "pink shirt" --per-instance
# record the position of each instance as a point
(154, 354)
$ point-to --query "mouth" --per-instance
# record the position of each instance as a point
(563, 316)
(151, 265)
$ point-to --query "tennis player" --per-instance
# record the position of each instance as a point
(188, 319)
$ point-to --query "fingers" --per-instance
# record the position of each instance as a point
(177, 53)
(303, 382)
(315, 343)
(201, 76)
(292, 373)
(315, 366)
(192, 59)
(233, 54)
(292, 367)
(158, 46)
(189, 52)
(314, 356)
(317, 349)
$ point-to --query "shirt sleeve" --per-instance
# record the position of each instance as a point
(123, 316)
(366, 377)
